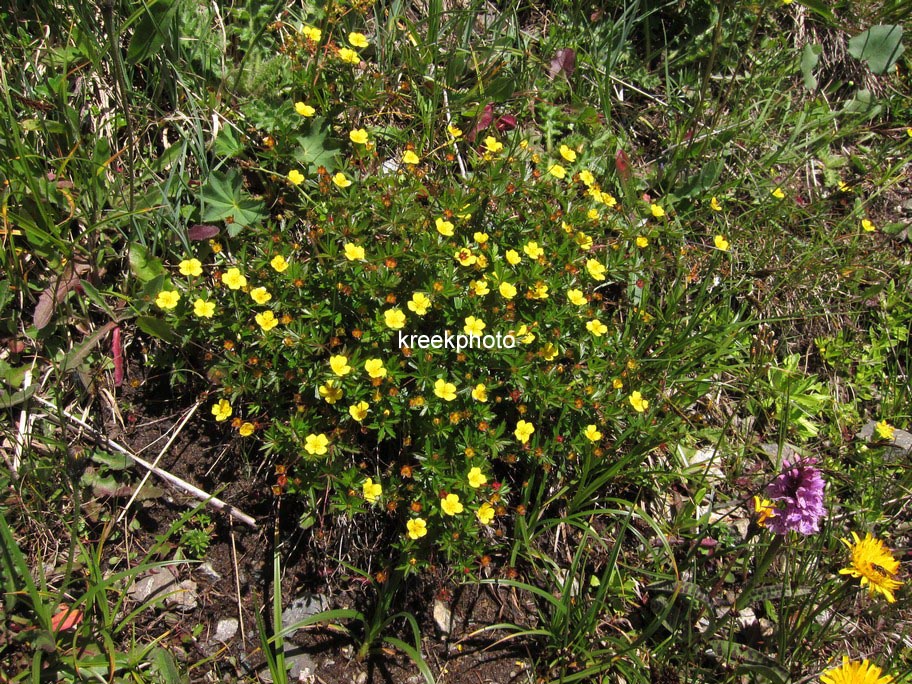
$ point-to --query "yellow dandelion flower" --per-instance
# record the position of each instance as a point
(853, 671)
(873, 563)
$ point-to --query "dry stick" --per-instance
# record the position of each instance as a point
(25, 430)
(446, 109)
(161, 453)
(183, 485)
(237, 587)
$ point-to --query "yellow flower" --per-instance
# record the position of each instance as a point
(260, 295)
(853, 671)
(714, 204)
(885, 430)
(358, 136)
(330, 392)
(410, 158)
(444, 227)
(304, 109)
(481, 261)
(246, 429)
(642, 242)
(617, 383)
(450, 505)
(583, 240)
(349, 56)
(523, 431)
(375, 368)
(394, 318)
(312, 33)
(549, 351)
(568, 153)
(592, 433)
(586, 178)
(492, 145)
(454, 131)
(371, 490)
(593, 215)
(507, 290)
(278, 263)
(721, 243)
(191, 267)
(480, 287)
(359, 411)
(540, 291)
(353, 252)
(777, 193)
(596, 327)
(873, 563)
(532, 250)
(786, 2)
(416, 527)
(465, 257)
(203, 309)
(476, 478)
(639, 404)
(557, 171)
(339, 365)
(167, 299)
(445, 390)
(595, 269)
(656, 210)
(764, 510)
(512, 257)
(316, 445)
(358, 40)
(340, 180)
(868, 226)
(234, 279)
(295, 177)
(576, 297)
(419, 303)
(480, 238)
(221, 410)
(473, 326)
(485, 513)
(266, 320)
(480, 392)
(524, 335)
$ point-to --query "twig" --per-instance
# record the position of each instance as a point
(446, 109)
(161, 453)
(24, 432)
(237, 587)
(183, 485)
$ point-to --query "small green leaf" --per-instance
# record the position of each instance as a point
(157, 328)
(225, 199)
(143, 265)
(152, 30)
(314, 150)
(880, 46)
(810, 56)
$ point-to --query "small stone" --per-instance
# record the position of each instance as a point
(209, 572)
(361, 678)
(747, 618)
(299, 666)
(443, 617)
(183, 597)
(302, 608)
(153, 583)
(225, 629)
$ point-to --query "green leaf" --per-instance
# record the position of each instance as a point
(314, 150)
(880, 46)
(8, 400)
(157, 328)
(809, 58)
(225, 199)
(152, 30)
(163, 662)
(227, 143)
(143, 265)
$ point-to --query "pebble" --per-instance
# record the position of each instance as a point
(225, 629)
(302, 608)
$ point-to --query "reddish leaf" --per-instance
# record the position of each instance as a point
(117, 351)
(622, 164)
(505, 123)
(563, 62)
(487, 116)
(56, 292)
(202, 231)
(66, 618)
